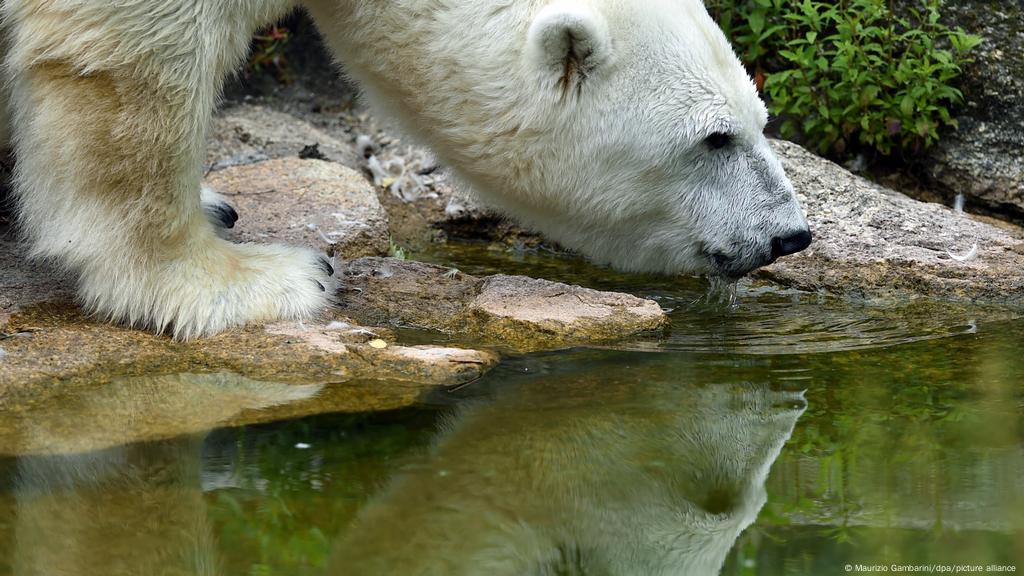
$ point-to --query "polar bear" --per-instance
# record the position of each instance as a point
(624, 129)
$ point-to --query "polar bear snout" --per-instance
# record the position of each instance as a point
(745, 259)
(761, 221)
(791, 244)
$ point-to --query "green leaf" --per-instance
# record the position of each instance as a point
(756, 21)
(907, 106)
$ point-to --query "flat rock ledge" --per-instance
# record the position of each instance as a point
(51, 349)
(872, 242)
(515, 311)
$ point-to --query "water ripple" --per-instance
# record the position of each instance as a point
(787, 322)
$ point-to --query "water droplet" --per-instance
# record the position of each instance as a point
(723, 291)
(958, 204)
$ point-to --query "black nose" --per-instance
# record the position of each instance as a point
(790, 244)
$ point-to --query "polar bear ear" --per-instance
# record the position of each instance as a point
(568, 40)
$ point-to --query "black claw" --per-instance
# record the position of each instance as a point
(224, 213)
(232, 213)
(326, 265)
(322, 289)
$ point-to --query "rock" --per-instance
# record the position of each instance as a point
(305, 202)
(523, 313)
(23, 283)
(984, 158)
(873, 242)
(54, 350)
(243, 134)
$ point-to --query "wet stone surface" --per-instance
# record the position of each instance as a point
(516, 311)
(874, 242)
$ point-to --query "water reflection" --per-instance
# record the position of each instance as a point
(593, 473)
(122, 511)
(569, 472)
(128, 410)
(88, 502)
(585, 461)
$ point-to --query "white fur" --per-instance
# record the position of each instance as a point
(111, 103)
(616, 168)
(600, 148)
(567, 25)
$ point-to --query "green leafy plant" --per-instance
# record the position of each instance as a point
(854, 72)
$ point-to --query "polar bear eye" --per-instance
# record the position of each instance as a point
(718, 140)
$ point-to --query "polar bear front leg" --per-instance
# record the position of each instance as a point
(109, 138)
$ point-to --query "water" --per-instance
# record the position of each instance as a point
(793, 434)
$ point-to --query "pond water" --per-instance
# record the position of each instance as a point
(794, 434)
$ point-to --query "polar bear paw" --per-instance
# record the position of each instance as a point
(217, 287)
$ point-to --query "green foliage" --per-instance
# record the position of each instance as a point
(851, 72)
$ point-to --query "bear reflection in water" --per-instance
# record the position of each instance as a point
(594, 473)
(136, 510)
(90, 501)
(562, 476)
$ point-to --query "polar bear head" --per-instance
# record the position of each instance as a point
(654, 157)
(624, 129)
